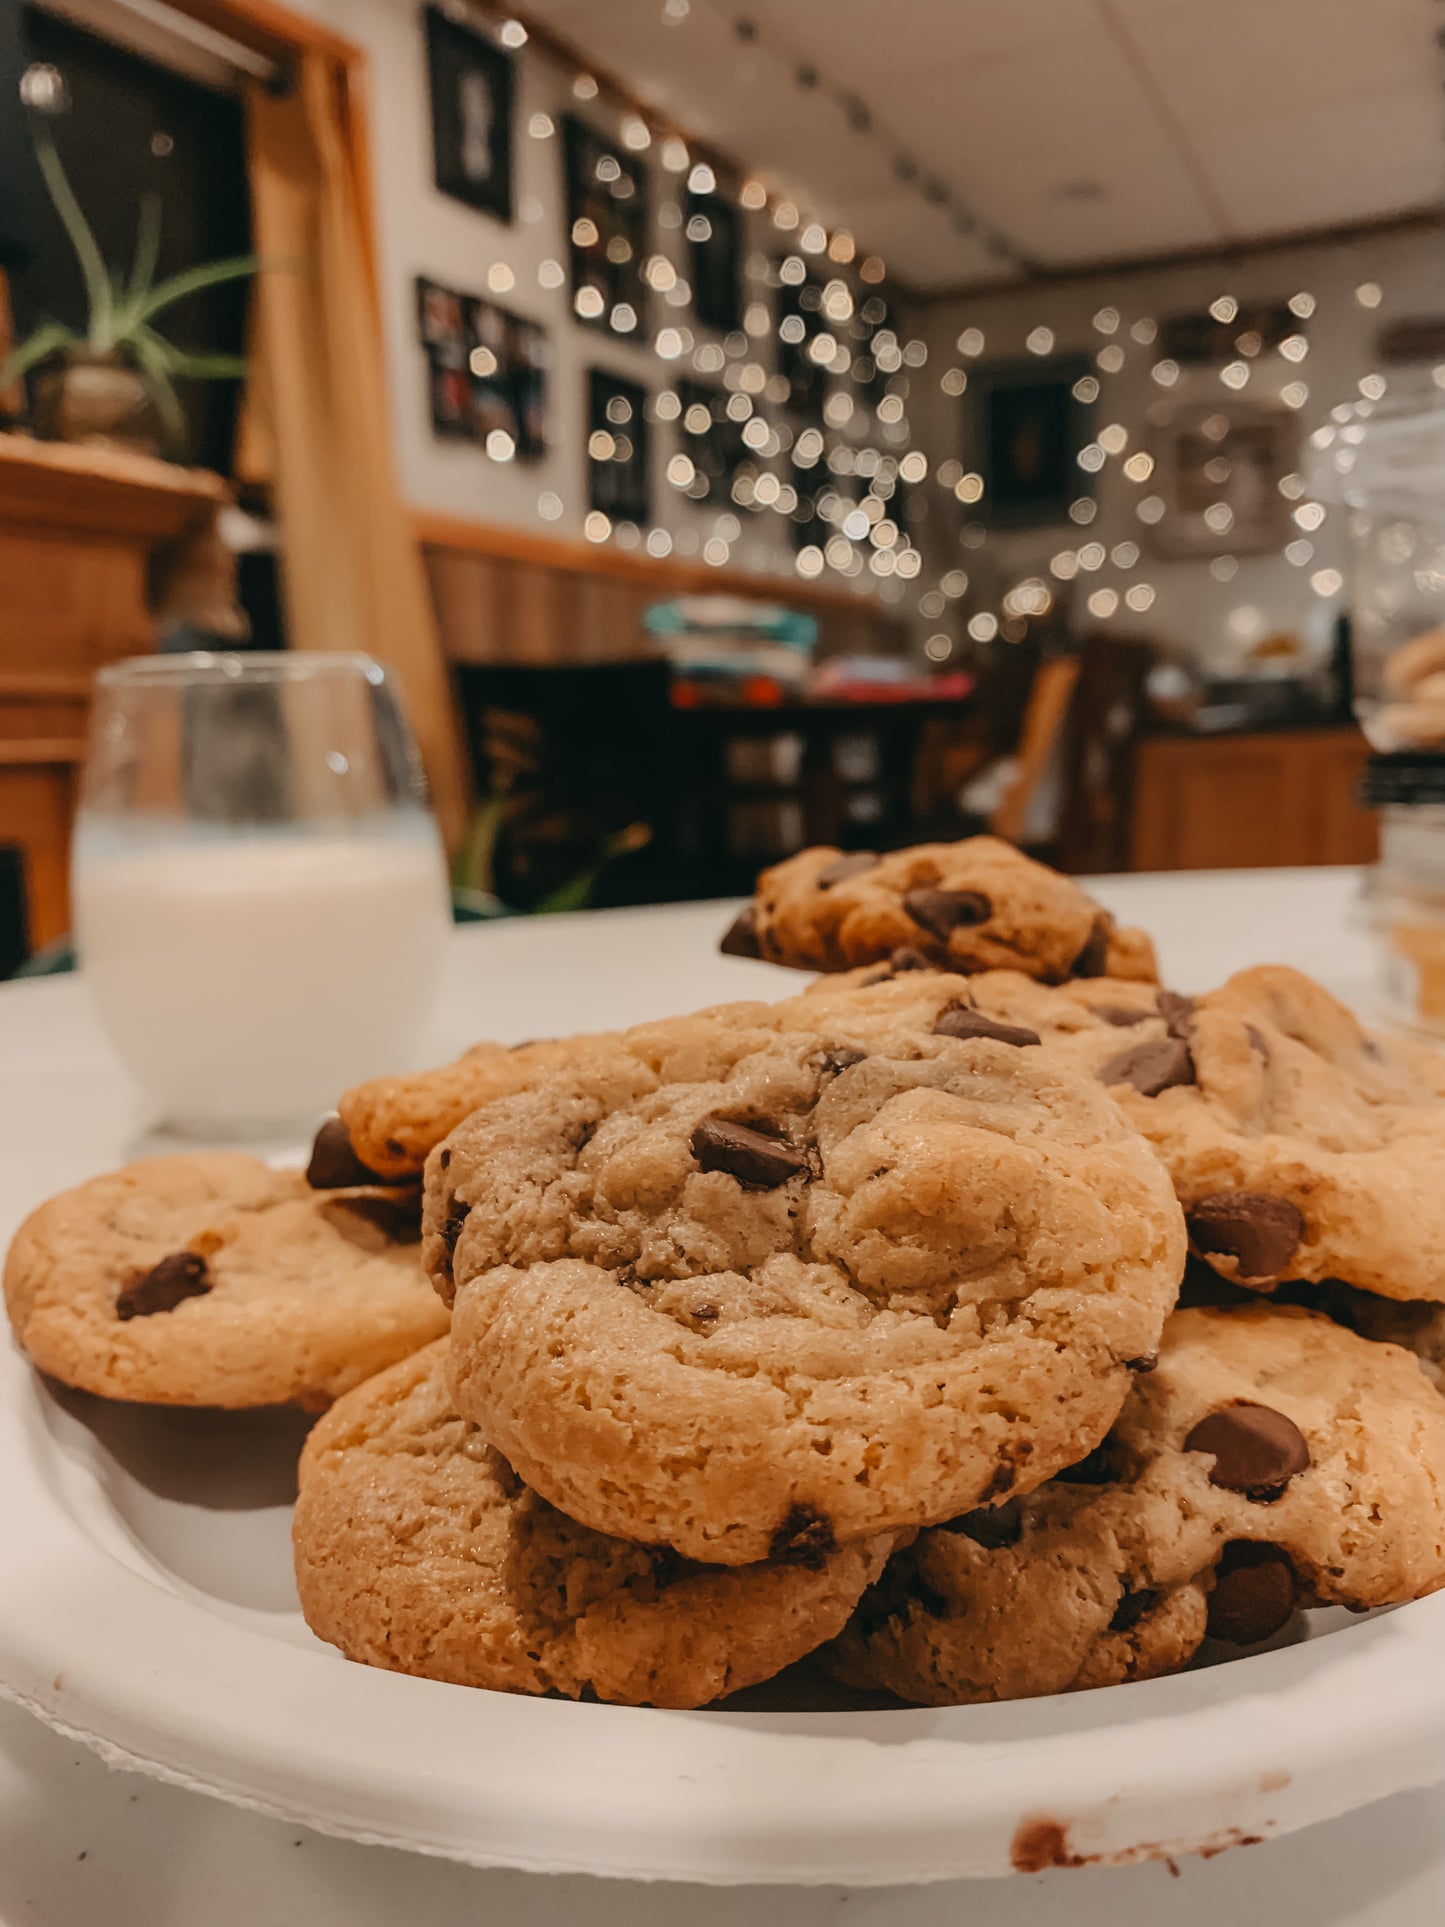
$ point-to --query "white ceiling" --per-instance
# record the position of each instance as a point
(1080, 130)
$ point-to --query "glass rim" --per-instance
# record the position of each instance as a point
(223, 668)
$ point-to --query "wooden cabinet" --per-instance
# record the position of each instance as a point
(79, 532)
(1250, 802)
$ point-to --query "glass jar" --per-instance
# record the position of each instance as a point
(1389, 472)
(1408, 905)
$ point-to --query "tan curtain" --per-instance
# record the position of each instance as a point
(353, 575)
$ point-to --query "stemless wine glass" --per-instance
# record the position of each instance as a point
(260, 890)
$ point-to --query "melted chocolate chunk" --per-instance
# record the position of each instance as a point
(805, 1538)
(992, 1526)
(1257, 1451)
(1177, 1012)
(747, 1152)
(740, 939)
(839, 1057)
(1099, 1467)
(1117, 1015)
(1262, 1233)
(1093, 959)
(453, 1224)
(940, 911)
(180, 1276)
(906, 958)
(843, 867)
(1132, 1607)
(1152, 1067)
(334, 1164)
(372, 1224)
(1254, 1593)
(962, 1020)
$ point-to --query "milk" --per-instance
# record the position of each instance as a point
(246, 980)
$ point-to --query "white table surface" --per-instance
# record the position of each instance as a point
(81, 1845)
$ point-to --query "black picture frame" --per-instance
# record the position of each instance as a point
(1023, 429)
(619, 486)
(473, 86)
(800, 321)
(504, 386)
(714, 238)
(608, 188)
(717, 449)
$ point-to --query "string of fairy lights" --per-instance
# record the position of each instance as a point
(850, 473)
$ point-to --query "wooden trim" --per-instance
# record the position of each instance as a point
(665, 573)
(18, 687)
(268, 28)
(56, 485)
(1209, 254)
(42, 749)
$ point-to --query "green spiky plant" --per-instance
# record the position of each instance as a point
(124, 307)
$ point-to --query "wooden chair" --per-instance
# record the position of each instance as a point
(1097, 755)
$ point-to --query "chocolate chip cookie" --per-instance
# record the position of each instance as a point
(419, 1549)
(834, 1287)
(1271, 1461)
(214, 1279)
(976, 905)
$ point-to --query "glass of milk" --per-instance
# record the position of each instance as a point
(260, 891)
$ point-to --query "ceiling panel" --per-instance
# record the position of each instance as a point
(1083, 130)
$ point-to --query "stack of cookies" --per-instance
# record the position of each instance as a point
(971, 1320)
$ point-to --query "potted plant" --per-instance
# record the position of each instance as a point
(115, 384)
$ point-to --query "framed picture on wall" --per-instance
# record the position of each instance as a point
(1023, 429)
(800, 324)
(713, 237)
(486, 369)
(712, 440)
(619, 482)
(1218, 467)
(472, 84)
(607, 224)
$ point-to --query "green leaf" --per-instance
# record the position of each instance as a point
(43, 342)
(153, 356)
(575, 895)
(193, 281)
(208, 367)
(87, 249)
(147, 247)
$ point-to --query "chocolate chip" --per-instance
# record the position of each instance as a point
(1262, 1233)
(1254, 1593)
(453, 1223)
(1099, 1467)
(705, 1314)
(962, 1020)
(1132, 1607)
(180, 1276)
(906, 958)
(992, 1526)
(838, 1057)
(939, 911)
(1152, 1067)
(1093, 959)
(373, 1224)
(1004, 1476)
(334, 1164)
(1147, 1362)
(745, 1152)
(805, 1538)
(1257, 1451)
(1177, 1012)
(1117, 1015)
(740, 939)
(843, 867)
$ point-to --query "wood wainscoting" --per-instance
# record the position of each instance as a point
(507, 596)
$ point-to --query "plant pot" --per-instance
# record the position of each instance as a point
(97, 399)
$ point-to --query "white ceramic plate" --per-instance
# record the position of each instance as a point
(146, 1606)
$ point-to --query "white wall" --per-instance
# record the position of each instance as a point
(1193, 612)
(424, 232)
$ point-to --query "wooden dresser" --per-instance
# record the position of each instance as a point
(79, 531)
(1251, 801)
